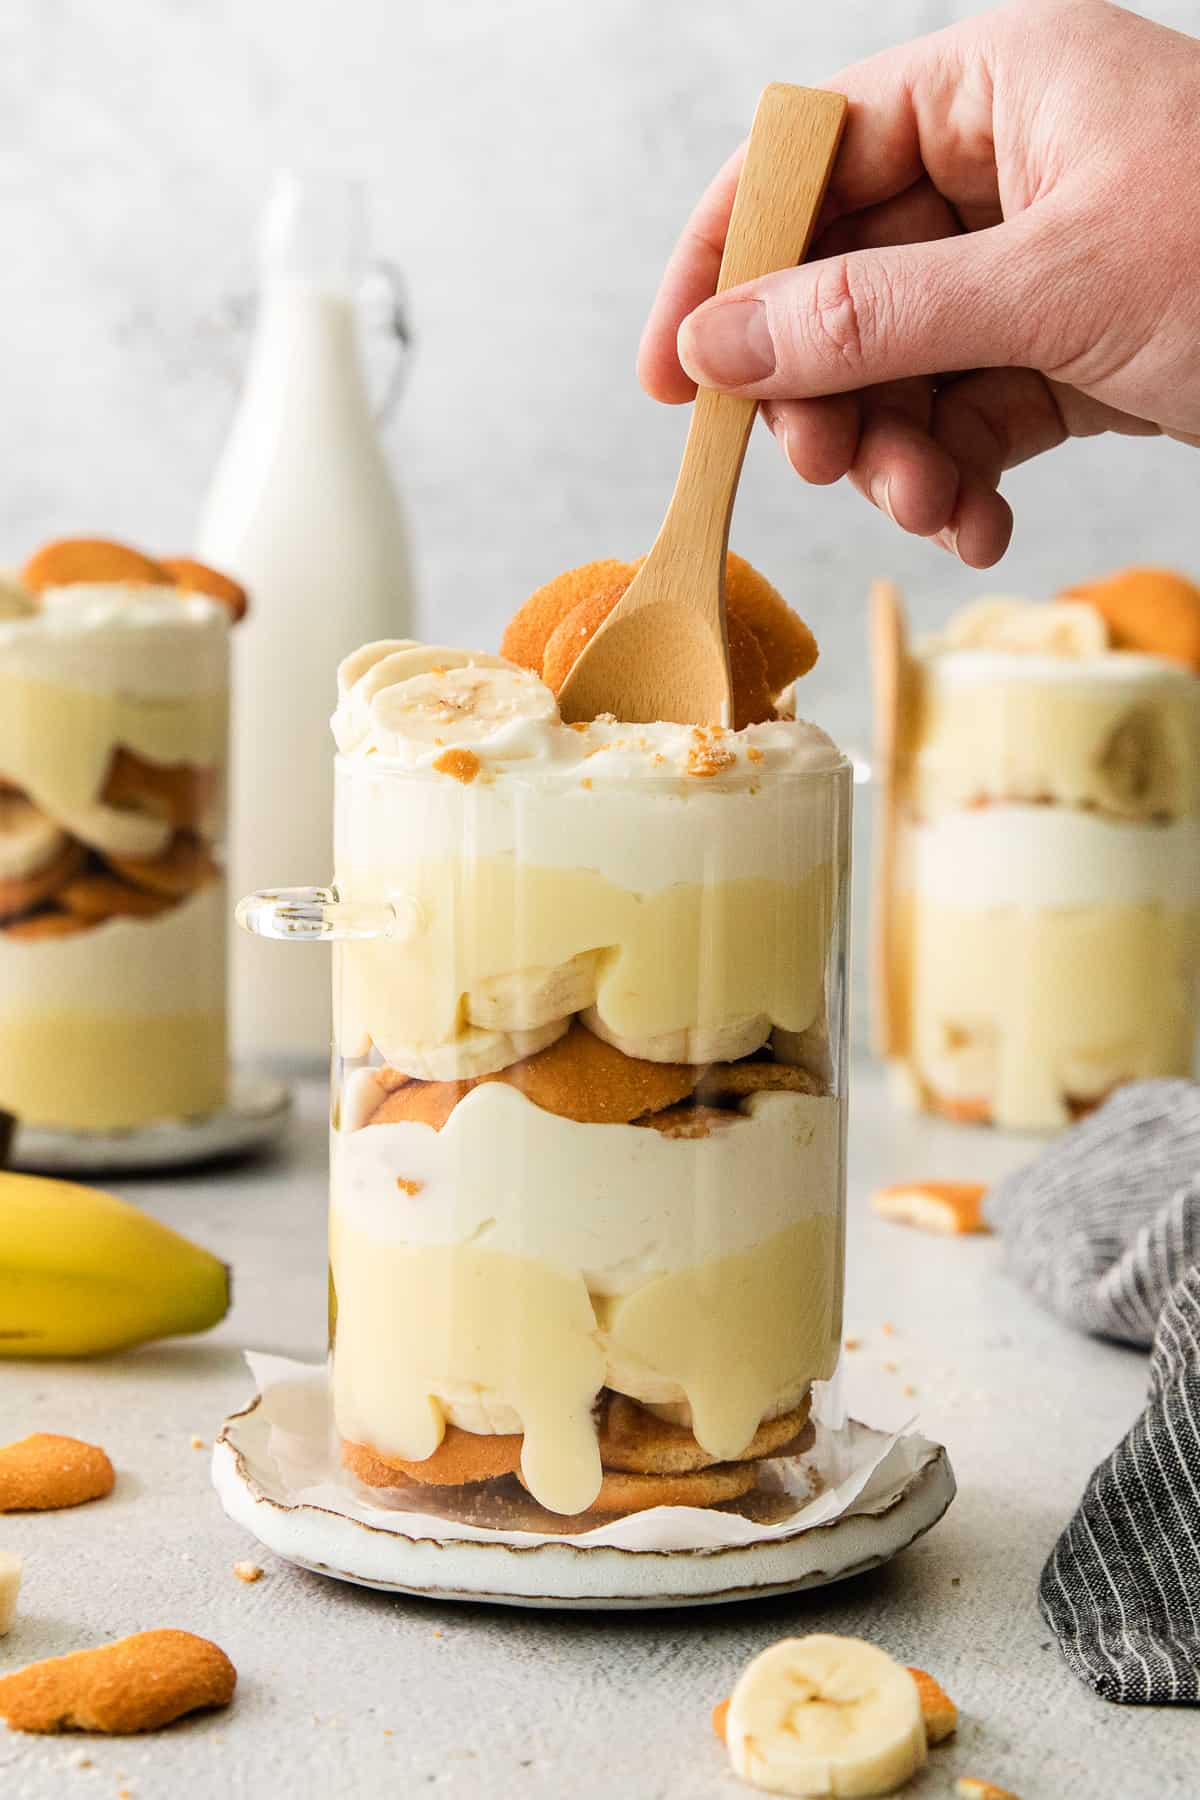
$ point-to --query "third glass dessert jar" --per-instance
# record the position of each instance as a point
(587, 1147)
(1043, 908)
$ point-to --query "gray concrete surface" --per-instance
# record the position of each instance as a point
(346, 1695)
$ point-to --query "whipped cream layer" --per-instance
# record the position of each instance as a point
(174, 962)
(100, 668)
(623, 1204)
(1010, 855)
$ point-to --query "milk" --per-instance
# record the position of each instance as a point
(303, 511)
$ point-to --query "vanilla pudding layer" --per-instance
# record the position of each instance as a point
(1118, 732)
(506, 1268)
(1029, 1010)
(97, 669)
(118, 1025)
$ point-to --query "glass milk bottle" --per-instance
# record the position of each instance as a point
(304, 511)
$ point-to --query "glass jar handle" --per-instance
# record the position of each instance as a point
(320, 916)
(384, 301)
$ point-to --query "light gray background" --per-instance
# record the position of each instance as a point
(529, 164)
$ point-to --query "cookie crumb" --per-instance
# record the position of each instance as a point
(79, 1759)
(909, 1390)
(890, 1368)
(463, 765)
(853, 1343)
(887, 1328)
(247, 1571)
(409, 1187)
(197, 1443)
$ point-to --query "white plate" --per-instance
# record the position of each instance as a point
(885, 1520)
(254, 1117)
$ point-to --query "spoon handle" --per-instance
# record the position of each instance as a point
(793, 141)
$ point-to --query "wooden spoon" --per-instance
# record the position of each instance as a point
(663, 653)
(891, 683)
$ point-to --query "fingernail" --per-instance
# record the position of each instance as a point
(880, 490)
(727, 345)
(776, 422)
(947, 537)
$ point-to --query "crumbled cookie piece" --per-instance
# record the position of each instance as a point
(67, 560)
(970, 1787)
(43, 1472)
(140, 1683)
(937, 1708)
(248, 1572)
(953, 1208)
(462, 765)
(192, 577)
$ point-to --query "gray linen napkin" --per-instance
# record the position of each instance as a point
(1104, 1226)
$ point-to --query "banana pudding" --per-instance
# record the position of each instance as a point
(1042, 912)
(587, 1146)
(113, 709)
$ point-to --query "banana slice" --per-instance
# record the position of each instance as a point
(473, 1053)
(703, 1044)
(477, 1409)
(16, 602)
(825, 1716)
(484, 701)
(353, 667)
(386, 664)
(528, 998)
(115, 831)
(29, 841)
(679, 1412)
(1054, 628)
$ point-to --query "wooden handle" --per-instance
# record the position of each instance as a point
(663, 651)
(793, 141)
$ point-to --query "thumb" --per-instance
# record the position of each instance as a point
(845, 322)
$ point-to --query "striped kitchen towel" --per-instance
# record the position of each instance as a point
(1105, 1228)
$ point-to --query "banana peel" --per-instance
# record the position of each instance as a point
(85, 1274)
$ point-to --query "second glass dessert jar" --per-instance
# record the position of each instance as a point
(588, 1120)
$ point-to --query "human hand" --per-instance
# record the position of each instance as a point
(1007, 258)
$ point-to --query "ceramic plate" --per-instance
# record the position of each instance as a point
(254, 1118)
(892, 1512)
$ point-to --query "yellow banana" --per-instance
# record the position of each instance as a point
(82, 1273)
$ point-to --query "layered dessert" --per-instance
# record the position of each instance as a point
(586, 1206)
(113, 725)
(1045, 900)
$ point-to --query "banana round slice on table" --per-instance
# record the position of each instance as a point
(825, 1716)
(527, 998)
(391, 663)
(28, 839)
(704, 1044)
(472, 1053)
(1055, 628)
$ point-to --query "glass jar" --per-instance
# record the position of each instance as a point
(1042, 940)
(586, 1230)
(113, 725)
